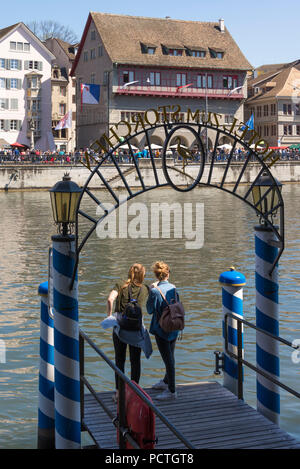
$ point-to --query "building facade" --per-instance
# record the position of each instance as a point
(143, 63)
(63, 92)
(274, 101)
(25, 88)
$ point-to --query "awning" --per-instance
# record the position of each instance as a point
(16, 144)
(279, 148)
(295, 146)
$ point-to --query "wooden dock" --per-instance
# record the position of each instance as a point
(206, 413)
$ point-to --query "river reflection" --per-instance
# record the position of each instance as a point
(228, 240)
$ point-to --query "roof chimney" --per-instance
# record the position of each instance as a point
(221, 25)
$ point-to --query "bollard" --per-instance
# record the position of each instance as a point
(46, 424)
(66, 345)
(232, 302)
(267, 349)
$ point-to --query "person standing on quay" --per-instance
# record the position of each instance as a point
(165, 341)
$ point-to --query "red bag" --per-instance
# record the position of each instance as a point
(140, 419)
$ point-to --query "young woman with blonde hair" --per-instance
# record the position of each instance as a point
(124, 292)
(165, 341)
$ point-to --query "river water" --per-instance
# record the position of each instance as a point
(26, 226)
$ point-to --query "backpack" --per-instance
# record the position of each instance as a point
(131, 317)
(172, 317)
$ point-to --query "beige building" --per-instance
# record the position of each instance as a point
(274, 100)
(143, 63)
(63, 92)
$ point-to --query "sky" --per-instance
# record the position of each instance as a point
(266, 31)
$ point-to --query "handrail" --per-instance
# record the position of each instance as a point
(241, 361)
(123, 378)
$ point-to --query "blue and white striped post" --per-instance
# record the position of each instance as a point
(232, 302)
(66, 345)
(267, 318)
(46, 424)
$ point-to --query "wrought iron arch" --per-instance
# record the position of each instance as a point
(201, 178)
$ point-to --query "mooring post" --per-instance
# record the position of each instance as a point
(66, 345)
(267, 318)
(46, 424)
(232, 302)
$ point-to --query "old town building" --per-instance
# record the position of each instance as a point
(274, 101)
(63, 92)
(143, 63)
(25, 88)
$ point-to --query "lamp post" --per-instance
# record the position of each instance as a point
(265, 193)
(64, 197)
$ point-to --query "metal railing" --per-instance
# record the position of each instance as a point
(119, 421)
(241, 361)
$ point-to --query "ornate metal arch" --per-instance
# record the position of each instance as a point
(201, 180)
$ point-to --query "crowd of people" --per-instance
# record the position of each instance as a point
(125, 157)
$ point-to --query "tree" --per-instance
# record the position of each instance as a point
(49, 28)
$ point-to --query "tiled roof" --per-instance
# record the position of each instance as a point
(122, 36)
(5, 31)
(67, 48)
(286, 81)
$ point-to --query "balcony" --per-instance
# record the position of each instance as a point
(176, 92)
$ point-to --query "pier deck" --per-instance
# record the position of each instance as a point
(206, 413)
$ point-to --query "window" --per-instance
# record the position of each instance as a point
(216, 54)
(209, 81)
(175, 51)
(273, 130)
(266, 131)
(298, 129)
(3, 103)
(1, 124)
(92, 78)
(62, 90)
(180, 79)
(13, 125)
(14, 64)
(20, 46)
(62, 109)
(287, 130)
(154, 78)
(197, 53)
(287, 109)
(13, 45)
(93, 35)
(2, 83)
(2, 63)
(151, 50)
(128, 76)
(100, 51)
(273, 109)
(266, 110)
(14, 104)
(73, 98)
(26, 47)
(297, 109)
(229, 118)
(93, 54)
(85, 56)
(73, 83)
(258, 111)
(230, 82)
(13, 83)
(33, 65)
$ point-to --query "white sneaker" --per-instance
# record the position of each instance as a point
(160, 385)
(166, 395)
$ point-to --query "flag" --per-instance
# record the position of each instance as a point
(129, 83)
(249, 123)
(235, 90)
(90, 94)
(183, 86)
(65, 122)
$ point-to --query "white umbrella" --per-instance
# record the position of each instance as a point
(175, 146)
(253, 146)
(125, 147)
(225, 146)
(154, 147)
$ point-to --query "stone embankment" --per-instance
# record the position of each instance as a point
(43, 177)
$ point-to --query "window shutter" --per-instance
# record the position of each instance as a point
(7, 81)
(6, 103)
(7, 64)
(14, 104)
(20, 64)
(19, 125)
(26, 64)
(40, 66)
(19, 83)
(6, 124)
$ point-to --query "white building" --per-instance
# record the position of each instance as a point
(25, 88)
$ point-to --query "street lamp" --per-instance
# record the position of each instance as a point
(64, 197)
(265, 195)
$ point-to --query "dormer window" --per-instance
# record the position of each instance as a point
(172, 49)
(148, 48)
(216, 53)
(175, 51)
(194, 51)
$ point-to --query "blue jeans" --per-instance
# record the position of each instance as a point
(167, 349)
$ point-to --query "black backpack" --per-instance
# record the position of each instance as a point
(131, 319)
